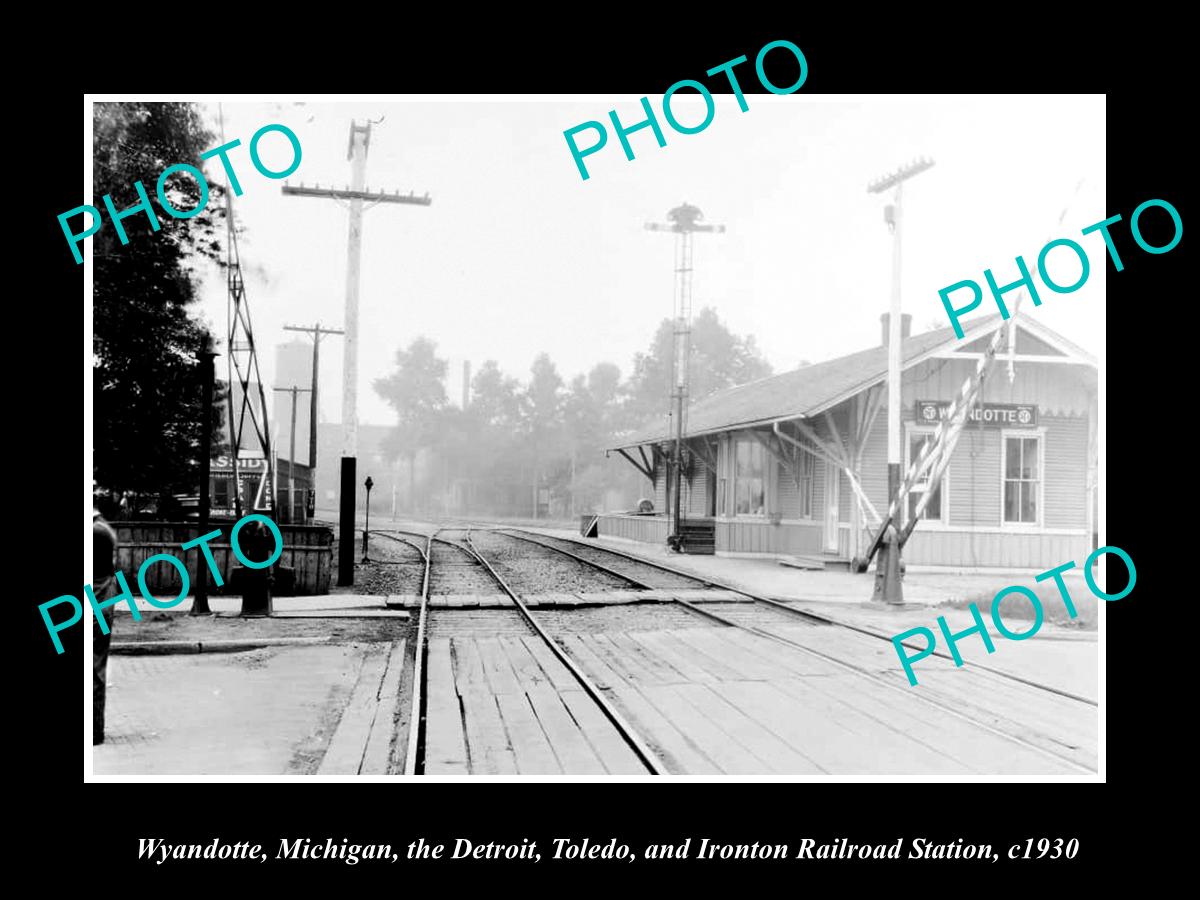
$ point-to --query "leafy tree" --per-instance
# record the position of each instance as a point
(147, 399)
(542, 408)
(719, 359)
(494, 397)
(416, 390)
(591, 412)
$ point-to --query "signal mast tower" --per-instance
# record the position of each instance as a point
(242, 363)
(684, 222)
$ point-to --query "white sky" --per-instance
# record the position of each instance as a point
(518, 255)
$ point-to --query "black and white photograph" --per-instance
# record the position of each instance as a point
(531, 437)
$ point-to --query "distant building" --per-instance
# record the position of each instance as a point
(297, 508)
(1020, 490)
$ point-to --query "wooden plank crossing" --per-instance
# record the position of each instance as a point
(507, 705)
(725, 701)
(1055, 723)
(716, 700)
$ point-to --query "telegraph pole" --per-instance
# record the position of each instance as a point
(315, 331)
(356, 194)
(292, 455)
(888, 589)
(685, 221)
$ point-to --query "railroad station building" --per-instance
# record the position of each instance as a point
(764, 464)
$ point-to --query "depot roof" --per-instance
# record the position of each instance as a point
(810, 390)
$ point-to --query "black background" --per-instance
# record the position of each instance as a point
(1138, 64)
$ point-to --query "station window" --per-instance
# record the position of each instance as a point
(935, 509)
(804, 462)
(749, 494)
(1022, 478)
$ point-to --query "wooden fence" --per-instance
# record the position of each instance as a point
(306, 548)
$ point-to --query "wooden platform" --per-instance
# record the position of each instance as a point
(721, 701)
(364, 741)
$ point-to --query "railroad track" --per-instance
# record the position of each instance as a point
(448, 561)
(396, 537)
(587, 554)
(585, 550)
(464, 549)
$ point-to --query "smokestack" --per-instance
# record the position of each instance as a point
(905, 326)
(466, 397)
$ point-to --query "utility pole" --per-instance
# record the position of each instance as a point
(316, 331)
(207, 376)
(685, 221)
(356, 194)
(888, 589)
(292, 455)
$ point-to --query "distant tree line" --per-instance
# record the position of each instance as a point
(536, 447)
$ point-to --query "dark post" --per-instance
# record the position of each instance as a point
(200, 604)
(312, 414)
(368, 484)
(677, 466)
(346, 524)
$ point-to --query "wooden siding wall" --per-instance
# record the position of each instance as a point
(306, 548)
(650, 529)
(1064, 493)
(990, 548)
(660, 489)
(748, 536)
(787, 497)
(695, 492)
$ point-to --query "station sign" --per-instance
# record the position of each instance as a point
(999, 415)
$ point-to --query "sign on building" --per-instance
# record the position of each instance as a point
(1000, 415)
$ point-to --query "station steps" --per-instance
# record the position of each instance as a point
(698, 536)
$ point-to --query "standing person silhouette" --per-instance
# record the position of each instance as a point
(104, 564)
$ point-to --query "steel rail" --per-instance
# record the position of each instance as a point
(851, 667)
(416, 723)
(400, 540)
(631, 737)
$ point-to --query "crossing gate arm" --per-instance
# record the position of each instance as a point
(936, 450)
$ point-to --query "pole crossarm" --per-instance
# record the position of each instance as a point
(676, 229)
(916, 167)
(369, 196)
(313, 329)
